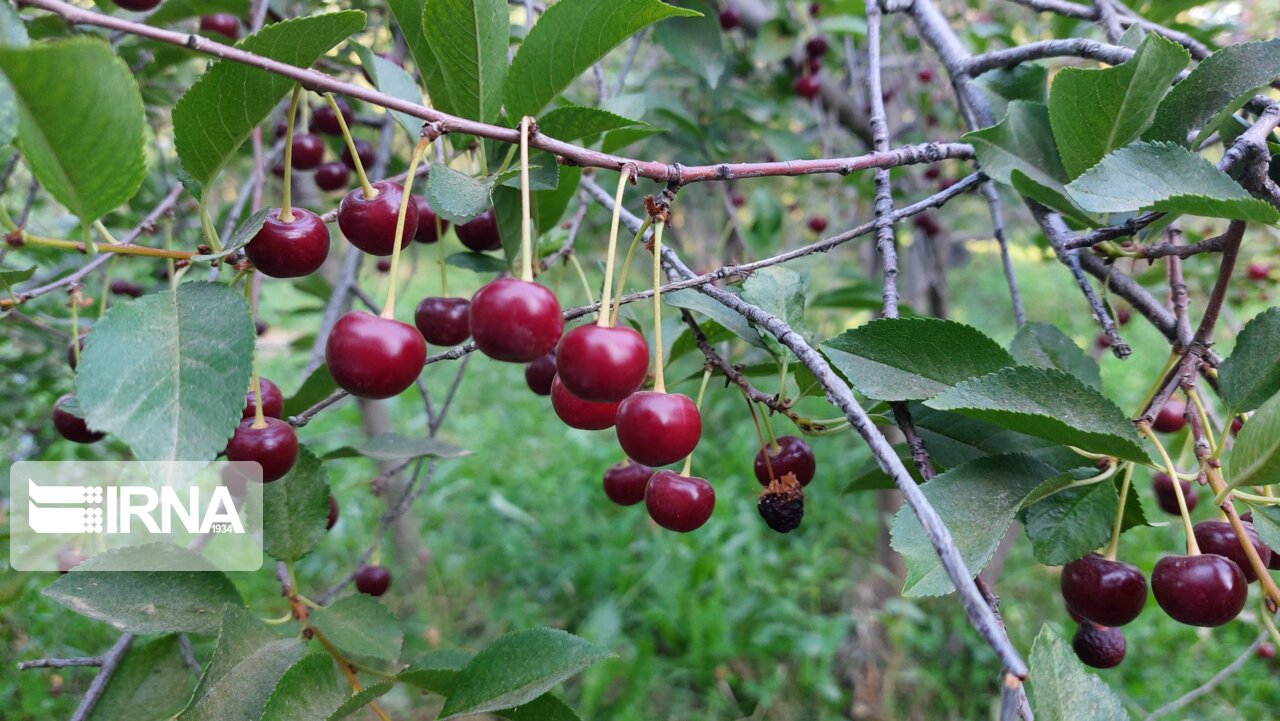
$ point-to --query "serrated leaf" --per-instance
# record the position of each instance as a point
(318, 386)
(240, 237)
(171, 11)
(476, 262)
(457, 197)
(953, 439)
(395, 447)
(215, 116)
(247, 662)
(518, 668)
(692, 300)
(408, 15)
(977, 501)
(1255, 456)
(1095, 111)
(1069, 524)
(569, 38)
(152, 683)
(80, 122)
(1043, 345)
(295, 509)
(311, 689)
(1061, 688)
(898, 359)
(1046, 403)
(695, 43)
(1023, 141)
(190, 350)
(575, 122)
(148, 601)
(391, 79)
(1025, 81)
(1165, 177)
(361, 626)
(1218, 86)
(366, 696)
(469, 40)
(437, 671)
(781, 292)
(1052, 198)
(1251, 374)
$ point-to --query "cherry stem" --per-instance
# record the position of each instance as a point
(106, 234)
(75, 324)
(286, 206)
(444, 267)
(603, 319)
(1193, 548)
(764, 445)
(82, 247)
(582, 276)
(659, 382)
(626, 268)
(702, 390)
(773, 438)
(369, 192)
(1115, 529)
(1269, 622)
(255, 382)
(1159, 382)
(389, 308)
(106, 286)
(526, 216)
(1204, 423)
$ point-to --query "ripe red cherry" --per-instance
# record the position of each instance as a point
(1266, 651)
(1099, 646)
(333, 513)
(128, 288)
(730, 18)
(794, 456)
(1107, 592)
(1259, 271)
(444, 321)
(516, 321)
(481, 233)
(427, 220)
(1162, 484)
(807, 86)
(383, 265)
(817, 224)
(658, 428)
(308, 151)
(289, 250)
(925, 75)
(580, 414)
(540, 373)
(224, 24)
(816, 47)
(272, 401)
(364, 150)
(738, 200)
(624, 483)
(373, 580)
(370, 224)
(1204, 590)
(602, 364)
(373, 357)
(332, 176)
(71, 426)
(1218, 537)
(679, 503)
(274, 447)
(1170, 419)
(137, 6)
(324, 120)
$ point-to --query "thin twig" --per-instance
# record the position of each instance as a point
(110, 661)
(1214, 681)
(61, 662)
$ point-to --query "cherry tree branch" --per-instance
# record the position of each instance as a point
(72, 662)
(110, 662)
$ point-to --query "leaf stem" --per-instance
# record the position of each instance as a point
(606, 297)
(286, 205)
(369, 192)
(659, 382)
(389, 308)
(526, 217)
(1115, 529)
(206, 224)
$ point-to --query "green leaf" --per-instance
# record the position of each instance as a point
(247, 662)
(476, 262)
(1093, 112)
(361, 626)
(190, 350)
(978, 502)
(696, 43)
(13, 31)
(366, 696)
(1071, 523)
(1255, 457)
(395, 447)
(1266, 521)
(1026, 81)
(437, 671)
(780, 292)
(1053, 198)
(953, 440)
(457, 197)
(898, 359)
(1049, 404)
(1216, 87)
(1063, 690)
(295, 509)
(147, 601)
(318, 386)
(408, 14)
(216, 115)
(575, 122)
(1165, 177)
(12, 276)
(8, 113)
(692, 300)
(309, 690)
(1043, 345)
(469, 40)
(240, 237)
(391, 79)
(1251, 374)
(518, 668)
(80, 122)
(152, 683)
(569, 38)
(171, 11)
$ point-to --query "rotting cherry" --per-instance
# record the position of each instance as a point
(332, 175)
(540, 373)
(1218, 537)
(1203, 590)
(364, 150)
(70, 425)
(373, 580)
(274, 447)
(272, 401)
(1167, 499)
(428, 232)
(333, 513)
(807, 86)
(679, 503)
(324, 120)
(443, 321)
(480, 233)
(374, 357)
(657, 428)
(793, 456)
(1098, 646)
(1171, 417)
(624, 483)
(1103, 591)
(580, 414)
(224, 24)
(308, 151)
(602, 364)
(516, 321)
(290, 249)
(370, 223)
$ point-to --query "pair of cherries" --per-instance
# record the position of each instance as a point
(675, 502)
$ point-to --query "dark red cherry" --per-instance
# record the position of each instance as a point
(383, 265)
(333, 513)
(816, 46)
(1162, 484)
(580, 414)
(370, 223)
(817, 224)
(679, 503)
(1107, 592)
(658, 428)
(730, 18)
(373, 357)
(274, 447)
(481, 233)
(364, 150)
(289, 250)
(332, 176)
(1098, 646)
(324, 120)
(1218, 537)
(807, 86)
(1237, 424)
(71, 351)
(430, 226)
(308, 151)
(1204, 590)
(925, 75)
(272, 405)
(128, 288)
(373, 580)
(602, 364)
(624, 483)
(444, 321)
(516, 321)
(1171, 417)
(1266, 651)
(1123, 316)
(137, 6)
(1259, 271)
(793, 456)
(540, 373)
(71, 426)
(738, 200)
(224, 24)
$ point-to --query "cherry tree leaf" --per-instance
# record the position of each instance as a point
(1063, 690)
(1251, 374)
(408, 15)
(1021, 147)
(1255, 456)
(1043, 345)
(152, 682)
(311, 689)
(469, 40)
(361, 626)
(295, 509)
(247, 662)
(1218, 86)
(391, 79)
(1071, 523)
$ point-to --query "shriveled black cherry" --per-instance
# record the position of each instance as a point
(373, 580)
(444, 321)
(370, 223)
(289, 250)
(624, 483)
(274, 447)
(679, 503)
(793, 456)
(1098, 646)
(1107, 592)
(1203, 590)
(374, 357)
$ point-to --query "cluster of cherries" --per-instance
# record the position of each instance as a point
(807, 84)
